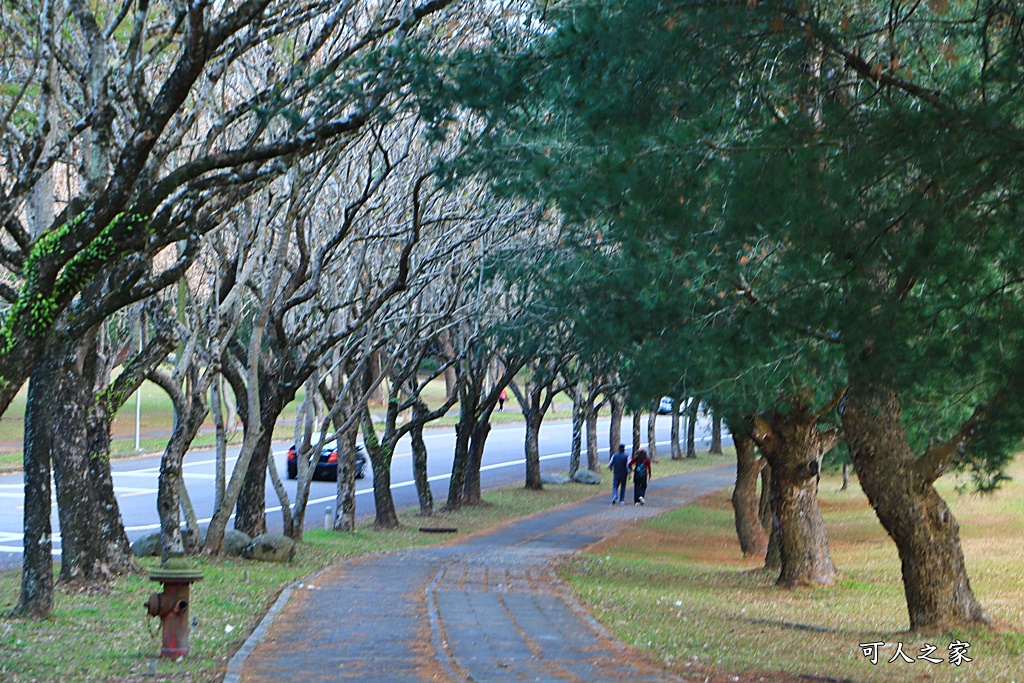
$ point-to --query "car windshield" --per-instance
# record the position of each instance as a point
(315, 439)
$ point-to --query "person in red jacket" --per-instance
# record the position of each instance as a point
(640, 466)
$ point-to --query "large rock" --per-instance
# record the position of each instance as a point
(235, 542)
(270, 548)
(586, 477)
(147, 546)
(553, 479)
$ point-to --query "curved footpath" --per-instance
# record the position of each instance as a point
(488, 608)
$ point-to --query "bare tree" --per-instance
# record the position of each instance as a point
(577, 392)
(535, 397)
(152, 99)
(691, 426)
(615, 426)
(677, 451)
(652, 434)
(154, 141)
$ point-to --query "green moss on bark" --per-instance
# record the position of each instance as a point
(36, 310)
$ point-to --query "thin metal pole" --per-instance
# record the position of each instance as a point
(138, 399)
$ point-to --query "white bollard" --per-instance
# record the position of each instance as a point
(327, 519)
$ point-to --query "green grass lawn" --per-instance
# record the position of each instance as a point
(679, 589)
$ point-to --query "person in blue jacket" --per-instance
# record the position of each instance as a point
(619, 466)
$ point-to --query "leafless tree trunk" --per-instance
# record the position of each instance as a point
(652, 434)
(677, 451)
(482, 427)
(615, 427)
(637, 444)
(691, 427)
(190, 411)
(151, 83)
(345, 501)
(716, 433)
(534, 400)
(578, 417)
(419, 458)
(220, 467)
(590, 410)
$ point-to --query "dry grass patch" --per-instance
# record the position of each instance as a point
(678, 587)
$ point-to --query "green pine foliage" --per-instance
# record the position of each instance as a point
(760, 200)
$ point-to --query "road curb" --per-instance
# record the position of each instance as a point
(237, 661)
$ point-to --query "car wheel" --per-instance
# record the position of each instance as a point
(361, 472)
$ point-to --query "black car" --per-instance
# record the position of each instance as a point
(327, 464)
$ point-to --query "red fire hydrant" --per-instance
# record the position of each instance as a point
(172, 605)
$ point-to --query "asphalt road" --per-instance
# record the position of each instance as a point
(135, 480)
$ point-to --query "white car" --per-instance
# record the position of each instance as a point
(665, 406)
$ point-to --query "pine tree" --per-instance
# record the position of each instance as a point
(792, 201)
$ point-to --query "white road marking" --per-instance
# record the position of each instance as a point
(8, 537)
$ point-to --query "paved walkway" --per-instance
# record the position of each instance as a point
(486, 609)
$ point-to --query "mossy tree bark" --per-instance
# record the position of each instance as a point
(419, 459)
(469, 396)
(76, 500)
(532, 445)
(345, 515)
(477, 442)
(94, 547)
(380, 452)
(36, 597)
(108, 397)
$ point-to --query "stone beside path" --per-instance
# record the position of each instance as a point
(488, 608)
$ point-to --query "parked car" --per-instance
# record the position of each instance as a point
(327, 463)
(665, 406)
